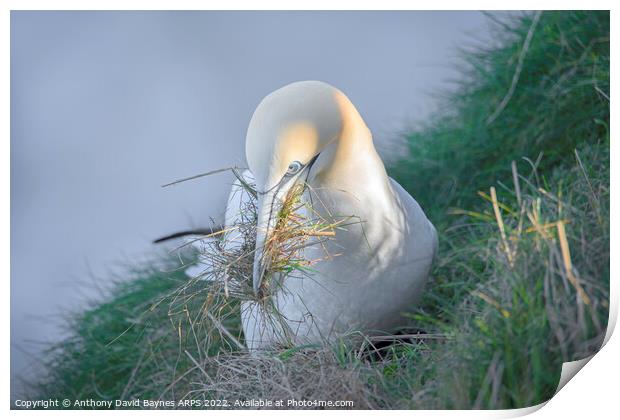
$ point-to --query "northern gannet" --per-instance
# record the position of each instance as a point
(309, 132)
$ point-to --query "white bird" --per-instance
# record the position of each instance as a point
(310, 132)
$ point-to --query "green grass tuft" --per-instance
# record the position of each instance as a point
(560, 101)
(515, 318)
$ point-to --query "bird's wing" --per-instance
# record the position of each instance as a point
(213, 231)
(426, 241)
(239, 200)
(238, 206)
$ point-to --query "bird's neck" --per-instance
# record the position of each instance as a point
(351, 163)
(351, 158)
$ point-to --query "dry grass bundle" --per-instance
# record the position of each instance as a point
(299, 225)
(227, 257)
(304, 375)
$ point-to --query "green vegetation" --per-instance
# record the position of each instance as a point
(132, 343)
(560, 101)
(502, 288)
(515, 175)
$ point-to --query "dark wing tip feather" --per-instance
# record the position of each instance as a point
(196, 232)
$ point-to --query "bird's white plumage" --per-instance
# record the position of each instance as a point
(237, 200)
(378, 265)
(381, 269)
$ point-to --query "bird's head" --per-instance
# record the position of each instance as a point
(288, 141)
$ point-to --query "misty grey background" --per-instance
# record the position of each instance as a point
(107, 106)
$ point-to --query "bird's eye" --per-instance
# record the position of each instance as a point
(294, 167)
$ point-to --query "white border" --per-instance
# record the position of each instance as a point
(593, 392)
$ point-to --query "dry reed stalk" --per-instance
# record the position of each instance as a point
(500, 224)
(568, 265)
(488, 299)
(515, 180)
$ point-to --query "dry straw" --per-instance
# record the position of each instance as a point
(227, 256)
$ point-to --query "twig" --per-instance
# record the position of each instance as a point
(223, 329)
(217, 171)
(204, 372)
(177, 380)
(244, 183)
(517, 73)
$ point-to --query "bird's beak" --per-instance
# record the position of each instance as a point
(269, 205)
